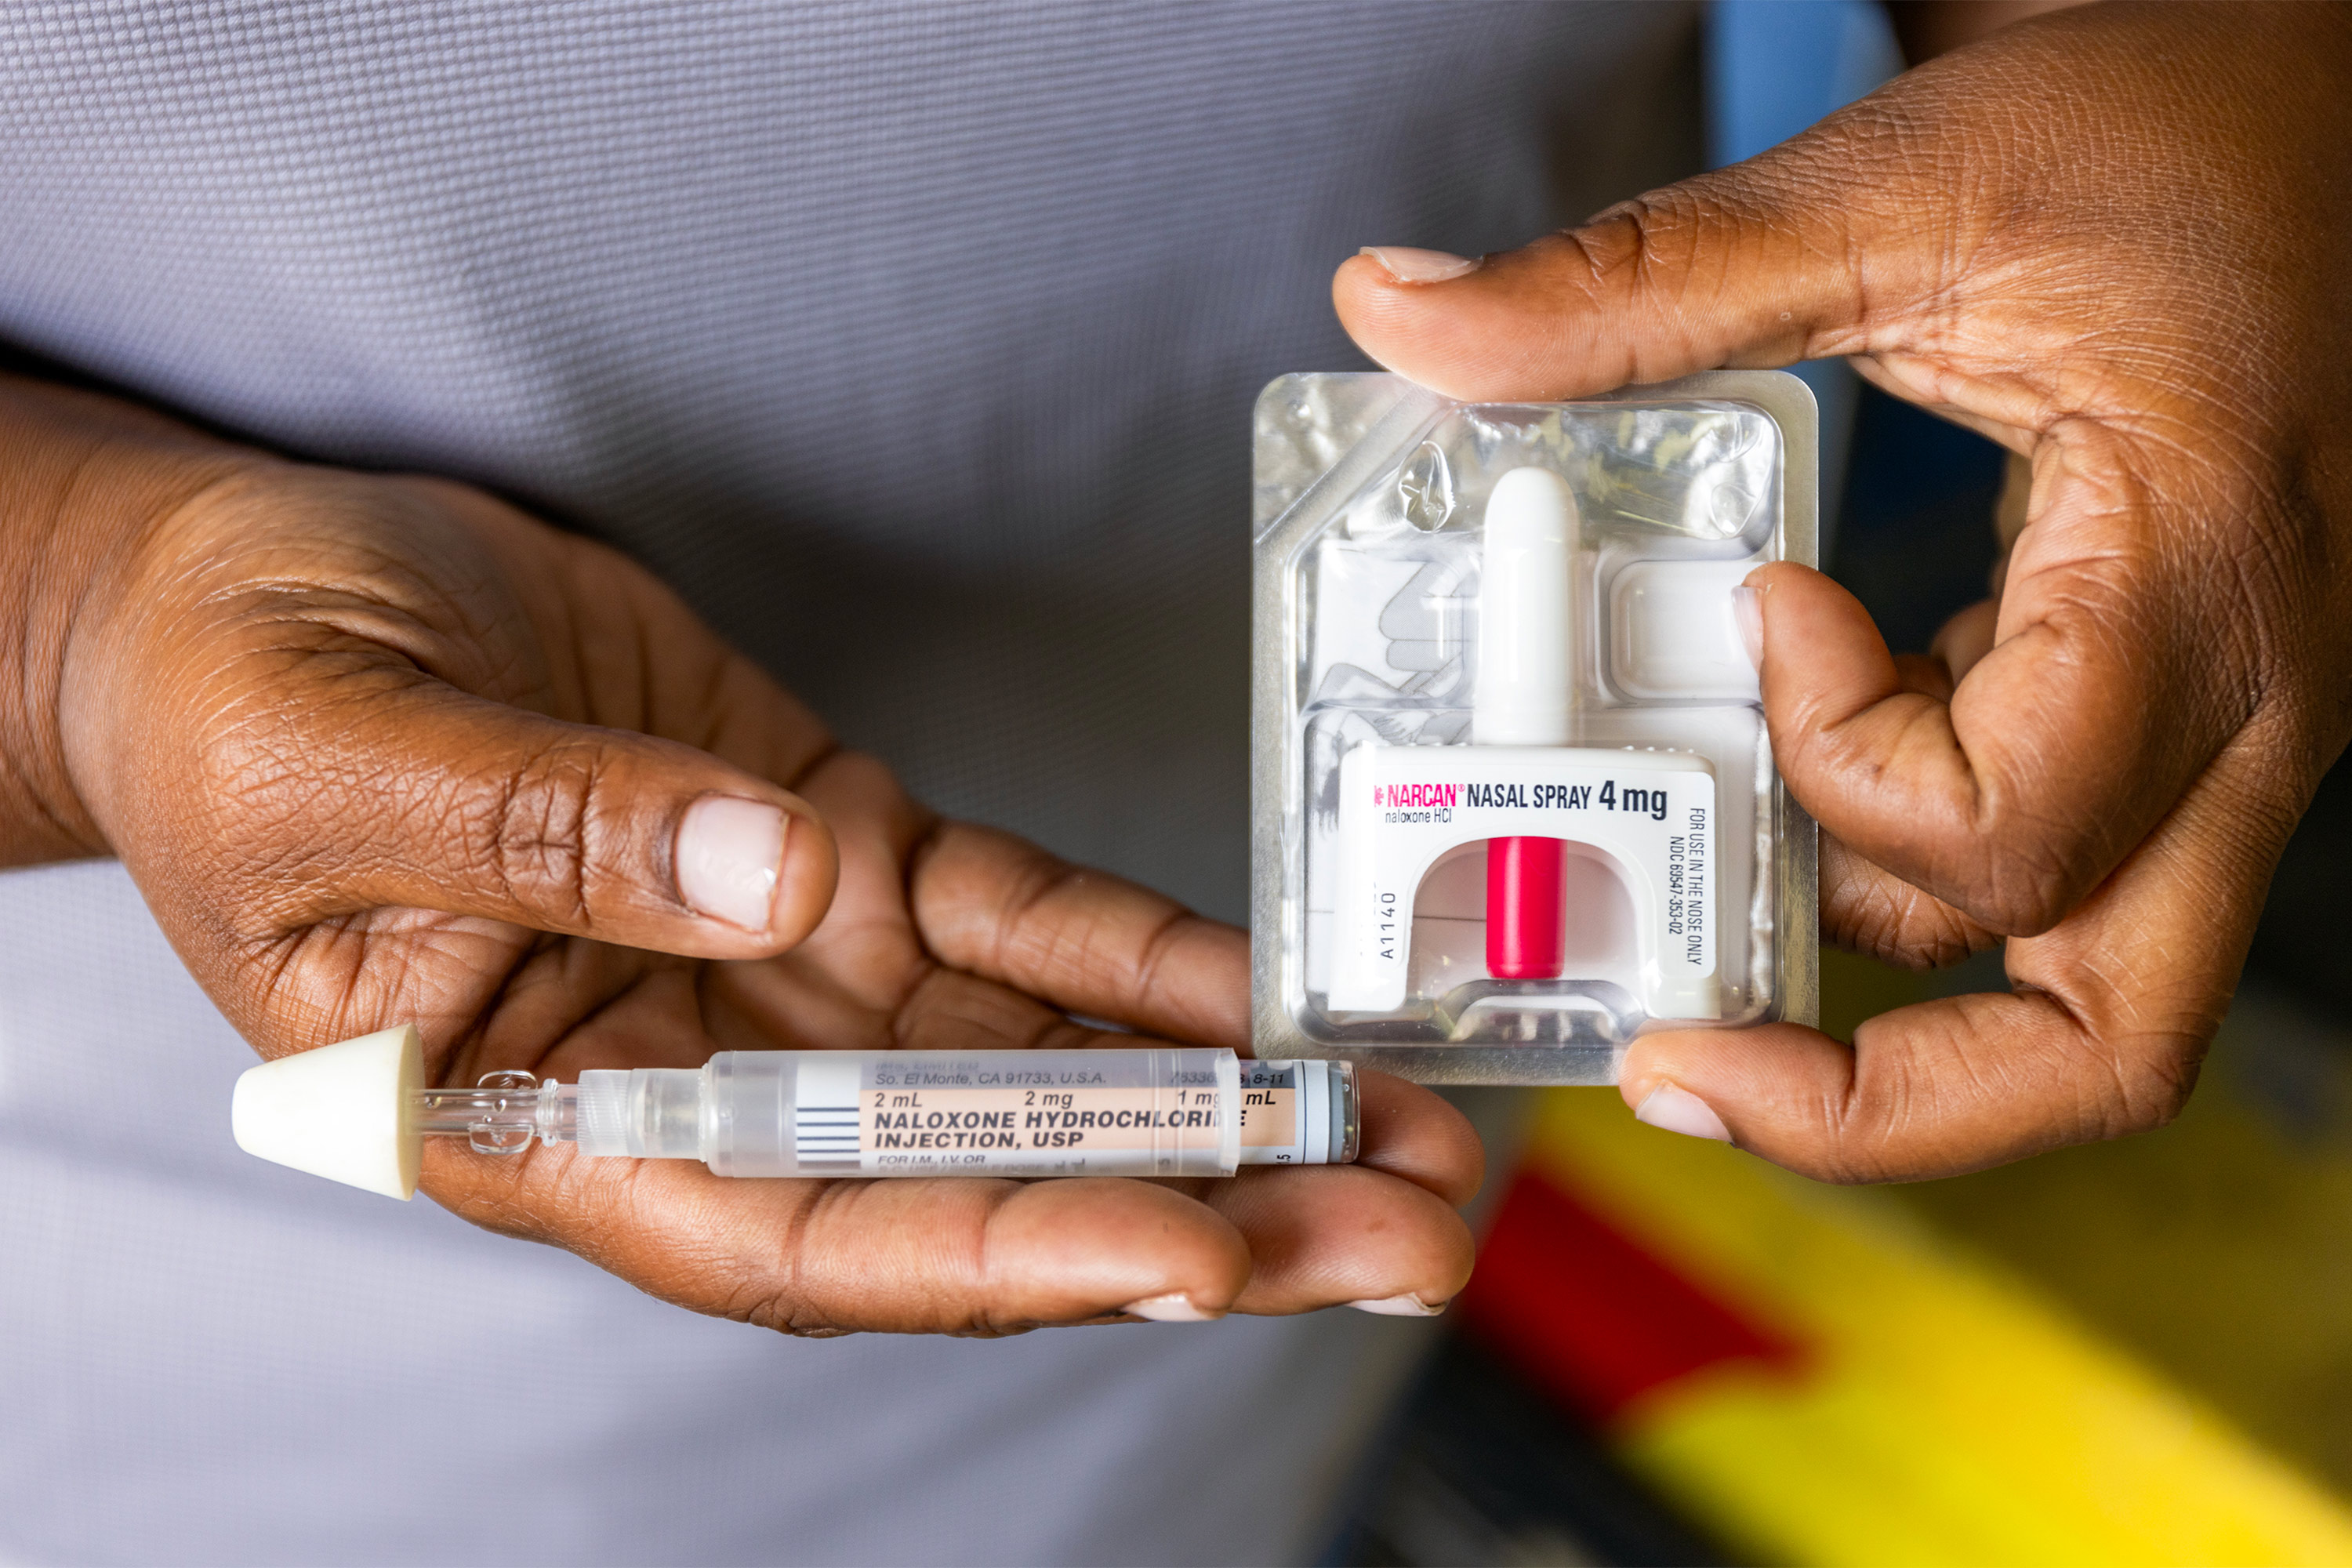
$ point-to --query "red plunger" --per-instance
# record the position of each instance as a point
(1525, 908)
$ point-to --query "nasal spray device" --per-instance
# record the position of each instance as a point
(1532, 796)
(359, 1113)
(1513, 794)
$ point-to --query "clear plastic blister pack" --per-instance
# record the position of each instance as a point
(1514, 800)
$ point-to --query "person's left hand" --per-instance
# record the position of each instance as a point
(2116, 240)
(379, 749)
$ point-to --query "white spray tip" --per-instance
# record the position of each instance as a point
(343, 1111)
(1523, 695)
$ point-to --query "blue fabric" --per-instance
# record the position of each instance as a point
(1773, 67)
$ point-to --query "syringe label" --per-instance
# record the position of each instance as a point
(899, 1121)
(1269, 1117)
(1272, 1109)
(1048, 1113)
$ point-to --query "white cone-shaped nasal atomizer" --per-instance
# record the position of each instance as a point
(343, 1112)
(359, 1113)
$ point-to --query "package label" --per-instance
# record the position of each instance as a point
(1652, 814)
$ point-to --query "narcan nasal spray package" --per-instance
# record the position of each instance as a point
(1514, 800)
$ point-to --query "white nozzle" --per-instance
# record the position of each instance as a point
(343, 1111)
(1523, 626)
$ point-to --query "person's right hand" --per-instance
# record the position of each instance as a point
(380, 749)
(2116, 240)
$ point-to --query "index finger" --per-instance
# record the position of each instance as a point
(1083, 939)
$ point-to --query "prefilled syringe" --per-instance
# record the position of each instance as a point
(359, 1111)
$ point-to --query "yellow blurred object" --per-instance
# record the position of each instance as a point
(1943, 1411)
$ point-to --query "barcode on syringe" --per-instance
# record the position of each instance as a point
(824, 1116)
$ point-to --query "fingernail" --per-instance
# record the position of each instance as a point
(1747, 609)
(729, 852)
(1406, 1306)
(1407, 264)
(1169, 1310)
(1680, 1111)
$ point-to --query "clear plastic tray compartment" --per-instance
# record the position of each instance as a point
(1371, 504)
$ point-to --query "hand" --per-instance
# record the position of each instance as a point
(2117, 241)
(381, 749)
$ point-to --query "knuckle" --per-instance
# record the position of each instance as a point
(2022, 908)
(786, 1315)
(1053, 930)
(2029, 882)
(1628, 250)
(1027, 939)
(533, 834)
(2145, 1093)
(1852, 1160)
(1854, 1148)
(1903, 926)
(1956, 941)
(1921, 951)
(1922, 1105)
(1869, 910)
(1651, 238)
(1604, 247)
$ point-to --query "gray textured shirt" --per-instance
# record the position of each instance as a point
(914, 345)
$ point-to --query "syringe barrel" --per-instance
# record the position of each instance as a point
(1163, 1111)
(647, 1113)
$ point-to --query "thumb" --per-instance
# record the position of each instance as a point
(427, 797)
(1757, 265)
